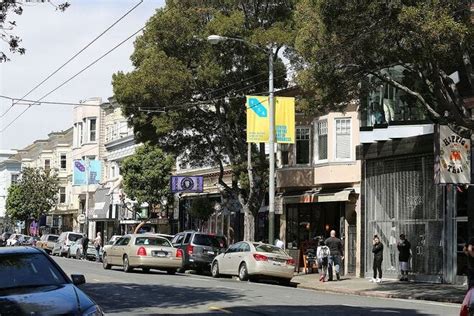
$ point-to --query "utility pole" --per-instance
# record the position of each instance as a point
(87, 196)
(271, 144)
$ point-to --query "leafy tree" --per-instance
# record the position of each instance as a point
(33, 195)
(340, 43)
(7, 25)
(188, 96)
(201, 209)
(146, 177)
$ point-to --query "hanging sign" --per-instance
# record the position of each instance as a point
(187, 184)
(453, 157)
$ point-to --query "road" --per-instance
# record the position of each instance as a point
(153, 293)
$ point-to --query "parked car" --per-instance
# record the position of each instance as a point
(61, 247)
(3, 238)
(143, 251)
(32, 283)
(15, 240)
(169, 237)
(30, 241)
(47, 242)
(199, 249)
(113, 239)
(467, 307)
(76, 250)
(249, 260)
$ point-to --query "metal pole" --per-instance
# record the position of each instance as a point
(271, 144)
(87, 197)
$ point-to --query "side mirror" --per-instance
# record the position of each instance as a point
(78, 279)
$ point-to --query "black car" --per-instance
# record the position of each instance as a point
(31, 283)
(199, 249)
(3, 239)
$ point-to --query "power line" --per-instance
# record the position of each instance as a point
(28, 102)
(71, 78)
(71, 59)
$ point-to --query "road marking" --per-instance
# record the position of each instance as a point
(219, 309)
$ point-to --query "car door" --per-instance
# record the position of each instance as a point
(225, 266)
(113, 252)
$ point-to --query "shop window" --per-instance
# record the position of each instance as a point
(461, 202)
(322, 139)
(302, 145)
(343, 138)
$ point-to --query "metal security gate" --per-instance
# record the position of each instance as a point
(401, 197)
(352, 249)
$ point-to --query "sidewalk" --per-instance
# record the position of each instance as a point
(387, 289)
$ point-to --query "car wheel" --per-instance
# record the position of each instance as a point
(146, 270)
(78, 254)
(243, 272)
(285, 282)
(215, 270)
(171, 271)
(105, 265)
(182, 270)
(126, 265)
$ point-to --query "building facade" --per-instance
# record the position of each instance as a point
(9, 172)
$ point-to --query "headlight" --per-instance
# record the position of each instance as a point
(94, 310)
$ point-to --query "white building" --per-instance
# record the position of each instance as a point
(9, 172)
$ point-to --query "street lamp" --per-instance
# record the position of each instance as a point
(214, 39)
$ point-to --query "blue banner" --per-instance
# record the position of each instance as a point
(81, 168)
(187, 184)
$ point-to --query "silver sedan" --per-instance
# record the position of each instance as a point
(248, 259)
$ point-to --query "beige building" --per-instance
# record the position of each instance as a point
(318, 184)
(54, 153)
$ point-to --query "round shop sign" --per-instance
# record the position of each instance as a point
(81, 219)
(187, 183)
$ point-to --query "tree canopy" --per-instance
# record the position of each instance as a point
(188, 96)
(340, 43)
(33, 195)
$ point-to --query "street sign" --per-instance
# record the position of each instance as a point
(187, 184)
(81, 219)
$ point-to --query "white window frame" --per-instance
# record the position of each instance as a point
(316, 141)
(89, 130)
(60, 161)
(334, 145)
(65, 195)
(310, 150)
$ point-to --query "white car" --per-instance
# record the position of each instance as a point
(15, 240)
(249, 260)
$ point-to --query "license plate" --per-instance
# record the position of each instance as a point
(275, 263)
(159, 254)
(210, 252)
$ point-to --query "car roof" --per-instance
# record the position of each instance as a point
(19, 250)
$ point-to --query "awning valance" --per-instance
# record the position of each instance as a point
(101, 206)
(322, 196)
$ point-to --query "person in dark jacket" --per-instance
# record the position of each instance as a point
(404, 255)
(85, 245)
(336, 255)
(377, 250)
(469, 251)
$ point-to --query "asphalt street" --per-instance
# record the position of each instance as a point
(139, 293)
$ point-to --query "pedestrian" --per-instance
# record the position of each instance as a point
(469, 251)
(404, 255)
(97, 244)
(322, 254)
(279, 243)
(336, 255)
(85, 245)
(377, 250)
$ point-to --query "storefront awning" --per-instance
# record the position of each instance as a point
(322, 196)
(101, 206)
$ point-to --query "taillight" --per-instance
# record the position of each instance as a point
(141, 251)
(260, 257)
(189, 249)
(464, 311)
(290, 262)
(179, 253)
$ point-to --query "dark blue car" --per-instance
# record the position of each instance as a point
(31, 283)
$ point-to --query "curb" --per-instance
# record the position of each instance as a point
(385, 295)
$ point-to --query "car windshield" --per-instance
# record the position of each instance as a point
(52, 238)
(28, 270)
(152, 241)
(207, 240)
(74, 237)
(269, 249)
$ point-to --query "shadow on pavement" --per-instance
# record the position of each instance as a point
(310, 310)
(121, 297)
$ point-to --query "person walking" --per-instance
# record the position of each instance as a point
(85, 245)
(377, 250)
(97, 244)
(469, 251)
(336, 255)
(322, 254)
(404, 255)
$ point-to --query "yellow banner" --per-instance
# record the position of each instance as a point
(258, 121)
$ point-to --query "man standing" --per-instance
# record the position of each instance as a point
(85, 245)
(404, 257)
(469, 251)
(97, 244)
(335, 256)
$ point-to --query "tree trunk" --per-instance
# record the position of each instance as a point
(249, 224)
(137, 229)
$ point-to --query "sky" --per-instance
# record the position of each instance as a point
(50, 38)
